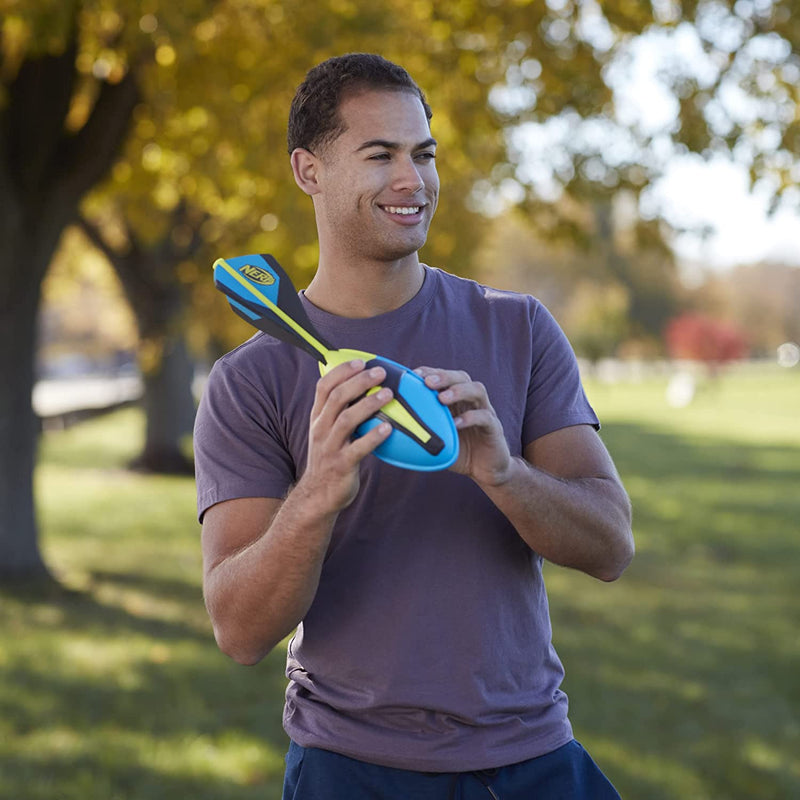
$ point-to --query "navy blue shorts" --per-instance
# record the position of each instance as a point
(568, 773)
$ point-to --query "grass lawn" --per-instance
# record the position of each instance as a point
(684, 676)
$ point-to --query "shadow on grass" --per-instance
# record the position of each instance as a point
(102, 701)
(655, 453)
(114, 775)
(682, 676)
(160, 586)
(80, 610)
(732, 499)
(685, 675)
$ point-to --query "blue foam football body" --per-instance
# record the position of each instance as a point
(403, 450)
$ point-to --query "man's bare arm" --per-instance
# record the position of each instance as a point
(566, 501)
(564, 497)
(262, 557)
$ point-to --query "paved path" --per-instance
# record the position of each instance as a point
(53, 398)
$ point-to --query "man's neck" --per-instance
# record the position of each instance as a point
(365, 289)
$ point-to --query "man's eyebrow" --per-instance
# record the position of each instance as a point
(385, 143)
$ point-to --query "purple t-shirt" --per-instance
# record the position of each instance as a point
(428, 644)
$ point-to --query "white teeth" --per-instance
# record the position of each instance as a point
(405, 210)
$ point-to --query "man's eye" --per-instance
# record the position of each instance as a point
(426, 156)
(380, 157)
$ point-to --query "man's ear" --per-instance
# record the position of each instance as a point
(305, 166)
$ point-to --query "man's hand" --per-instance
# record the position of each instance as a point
(263, 556)
(332, 474)
(563, 496)
(483, 451)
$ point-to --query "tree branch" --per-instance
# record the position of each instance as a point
(93, 234)
(38, 103)
(84, 158)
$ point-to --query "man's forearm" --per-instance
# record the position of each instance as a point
(584, 523)
(261, 574)
(258, 595)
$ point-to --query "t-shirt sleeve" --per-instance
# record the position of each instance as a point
(556, 398)
(238, 446)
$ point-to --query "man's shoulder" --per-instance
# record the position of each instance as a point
(257, 355)
(462, 289)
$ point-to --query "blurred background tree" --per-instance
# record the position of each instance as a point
(48, 161)
(84, 320)
(761, 299)
(159, 129)
(697, 337)
(203, 90)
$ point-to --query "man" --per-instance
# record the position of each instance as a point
(422, 662)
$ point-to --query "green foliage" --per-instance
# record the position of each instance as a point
(597, 319)
(216, 80)
(84, 309)
(683, 675)
(202, 88)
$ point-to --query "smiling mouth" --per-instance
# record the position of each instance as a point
(403, 211)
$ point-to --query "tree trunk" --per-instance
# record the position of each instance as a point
(169, 410)
(159, 301)
(44, 173)
(19, 546)
(29, 241)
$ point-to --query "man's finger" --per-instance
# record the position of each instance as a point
(361, 410)
(347, 383)
(442, 378)
(474, 393)
(362, 446)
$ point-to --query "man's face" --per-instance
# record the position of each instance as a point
(378, 180)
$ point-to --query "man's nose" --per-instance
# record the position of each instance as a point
(407, 177)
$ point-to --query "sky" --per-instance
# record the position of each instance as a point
(713, 193)
(717, 194)
(691, 193)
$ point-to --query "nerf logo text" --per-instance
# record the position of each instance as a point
(257, 275)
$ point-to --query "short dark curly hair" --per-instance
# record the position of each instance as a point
(314, 119)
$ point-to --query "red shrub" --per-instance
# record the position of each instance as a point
(701, 338)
